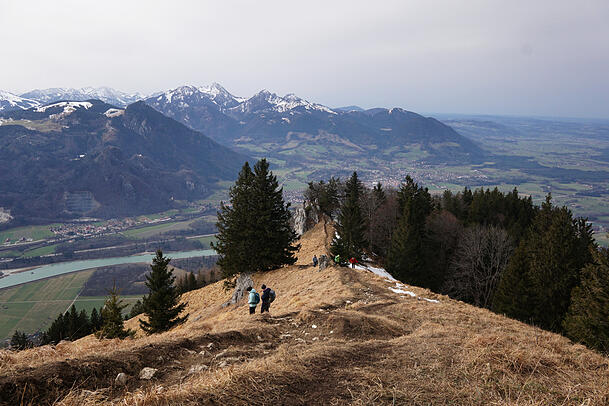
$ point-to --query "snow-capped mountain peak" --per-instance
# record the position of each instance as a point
(265, 100)
(10, 101)
(189, 94)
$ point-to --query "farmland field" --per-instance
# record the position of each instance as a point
(33, 232)
(35, 305)
(156, 229)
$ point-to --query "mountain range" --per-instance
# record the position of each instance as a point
(70, 159)
(40, 97)
(287, 128)
(291, 128)
(72, 152)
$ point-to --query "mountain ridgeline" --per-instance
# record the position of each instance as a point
(278, 125)
(70, 159)
(286, 128)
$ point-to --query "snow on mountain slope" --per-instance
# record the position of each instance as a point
(265, 100)
(228, 103)
(68, 106)
(187, 95)
(106, 94)
(10, 101)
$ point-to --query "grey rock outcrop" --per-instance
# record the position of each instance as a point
(323, 262)
(243, 282)
(304, 218)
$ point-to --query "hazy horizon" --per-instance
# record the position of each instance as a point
(548, 58)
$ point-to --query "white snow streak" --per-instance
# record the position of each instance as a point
(399, 287)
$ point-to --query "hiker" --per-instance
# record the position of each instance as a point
(268, 296)
(253, 300)
(337, 259)
(315, 261)
(353, 261)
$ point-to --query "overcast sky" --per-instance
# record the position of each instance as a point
(492, 57)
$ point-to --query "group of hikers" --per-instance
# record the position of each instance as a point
(268, 296)
(337, 259)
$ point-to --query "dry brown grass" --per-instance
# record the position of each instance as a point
(369, 346)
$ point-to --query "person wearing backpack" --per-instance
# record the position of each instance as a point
(268, 296)
(253, 299)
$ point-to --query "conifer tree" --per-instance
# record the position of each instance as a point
(96, 320)
(57, 331)
(113, 324)
(192, 281)
(162, 302)
(235, 226)
(350, 240)
(537, 284)
(587, 320)
(20, 341)
(409, 255)
(379, 194)
(254, 232)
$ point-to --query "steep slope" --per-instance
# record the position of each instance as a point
(70, 159)
(337, 336)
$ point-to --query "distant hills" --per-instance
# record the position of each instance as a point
(69, 159)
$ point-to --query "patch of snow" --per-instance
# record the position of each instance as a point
(287, 120)
(403, 292)
(399, 288)
(68, 107)
(378, 271)
(5, 215)
(114, 113)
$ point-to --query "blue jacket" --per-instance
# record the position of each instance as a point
(266, 295)
(252, 298)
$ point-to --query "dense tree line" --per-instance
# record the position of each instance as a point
(497, 250)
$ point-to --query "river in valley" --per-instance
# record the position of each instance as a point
(45, 271)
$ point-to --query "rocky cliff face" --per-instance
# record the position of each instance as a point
(304, 218)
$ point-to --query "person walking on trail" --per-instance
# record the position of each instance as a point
(253, 299)
(315, 260)
(353, 261)
(268, 296)
(337, 259)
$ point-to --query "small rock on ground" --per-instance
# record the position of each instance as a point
(121, 379)
(147, 373)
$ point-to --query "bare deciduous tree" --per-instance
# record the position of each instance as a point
(479, 260)
(382, 224)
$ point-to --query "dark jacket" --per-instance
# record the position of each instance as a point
(266, 295)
